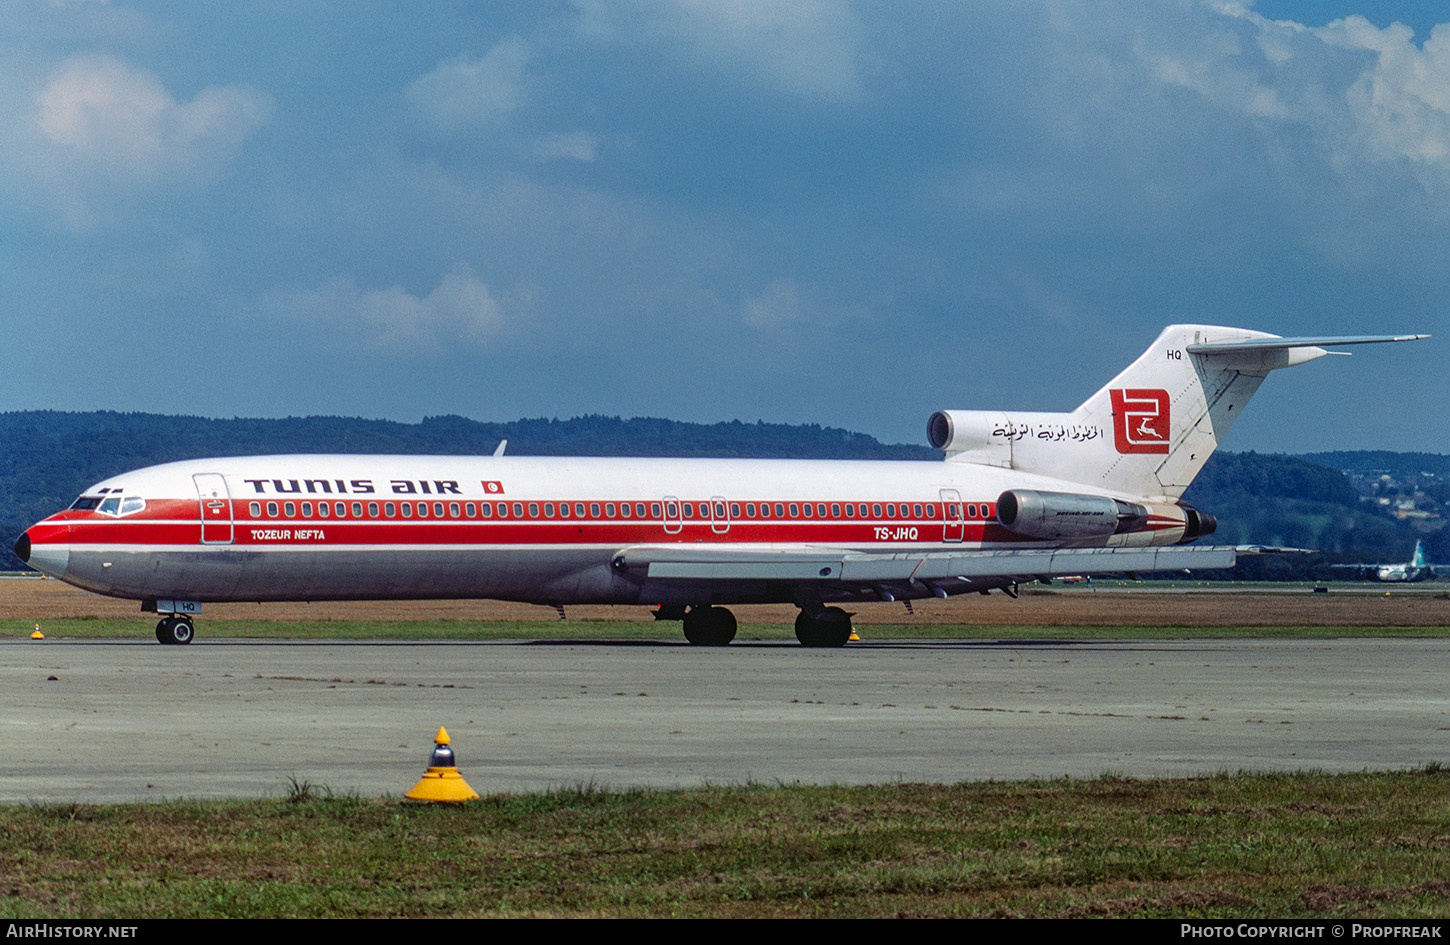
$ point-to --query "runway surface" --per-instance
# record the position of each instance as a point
(98, 721)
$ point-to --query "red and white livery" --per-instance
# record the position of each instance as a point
(1020, 497)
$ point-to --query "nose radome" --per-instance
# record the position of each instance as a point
(48, 553)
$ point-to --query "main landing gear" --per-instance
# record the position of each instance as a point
(715, 626)
(831, 626)
(709, 626)
(175, 630)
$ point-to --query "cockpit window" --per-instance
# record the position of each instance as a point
(86, 502)
(115, 504)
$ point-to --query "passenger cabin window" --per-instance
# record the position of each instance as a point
(256, 509)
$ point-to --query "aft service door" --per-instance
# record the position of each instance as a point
(951, 510)
(216, 508)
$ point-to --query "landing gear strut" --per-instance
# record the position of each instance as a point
(174, 630)
(831, 626)
(709, 626)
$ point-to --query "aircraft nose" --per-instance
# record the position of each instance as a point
(46, 548)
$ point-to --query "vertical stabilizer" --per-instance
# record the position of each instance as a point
(1151, 429)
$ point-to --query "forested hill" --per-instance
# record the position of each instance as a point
(46, 458)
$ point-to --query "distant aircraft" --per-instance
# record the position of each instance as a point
(1020, 497)
(1404, 573)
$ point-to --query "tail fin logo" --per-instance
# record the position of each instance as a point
(1140, 420)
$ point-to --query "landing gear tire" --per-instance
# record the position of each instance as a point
(831, 627)
(175, 630)
(709, 626)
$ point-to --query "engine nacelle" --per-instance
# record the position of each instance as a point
(1067, 515)
(953, 431)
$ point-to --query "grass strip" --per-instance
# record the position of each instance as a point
(1372, 845)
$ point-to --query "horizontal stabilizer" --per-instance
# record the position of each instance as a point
(1278, 344)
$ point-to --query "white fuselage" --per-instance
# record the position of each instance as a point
(547, 530)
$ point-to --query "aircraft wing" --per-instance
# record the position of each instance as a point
(950, 569)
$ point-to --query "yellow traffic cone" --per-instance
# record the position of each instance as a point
(442, 782)
(36, 634)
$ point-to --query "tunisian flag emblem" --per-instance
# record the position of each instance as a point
(493, 486)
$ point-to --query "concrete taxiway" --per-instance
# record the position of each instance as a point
(98, 721)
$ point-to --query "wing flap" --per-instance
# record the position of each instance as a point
(668, 562)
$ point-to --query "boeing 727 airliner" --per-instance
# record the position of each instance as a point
(1019, 497)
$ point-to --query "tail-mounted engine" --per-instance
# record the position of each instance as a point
(1067, 516)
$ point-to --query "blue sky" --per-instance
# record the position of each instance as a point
(842, 213)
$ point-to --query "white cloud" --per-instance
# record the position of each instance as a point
(778, 305)
(807, 47)
(460, 311)
(464, 93)
(579, 146)
(97, 131)
(1367, 94)
(114, 119)
(1401, 102)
